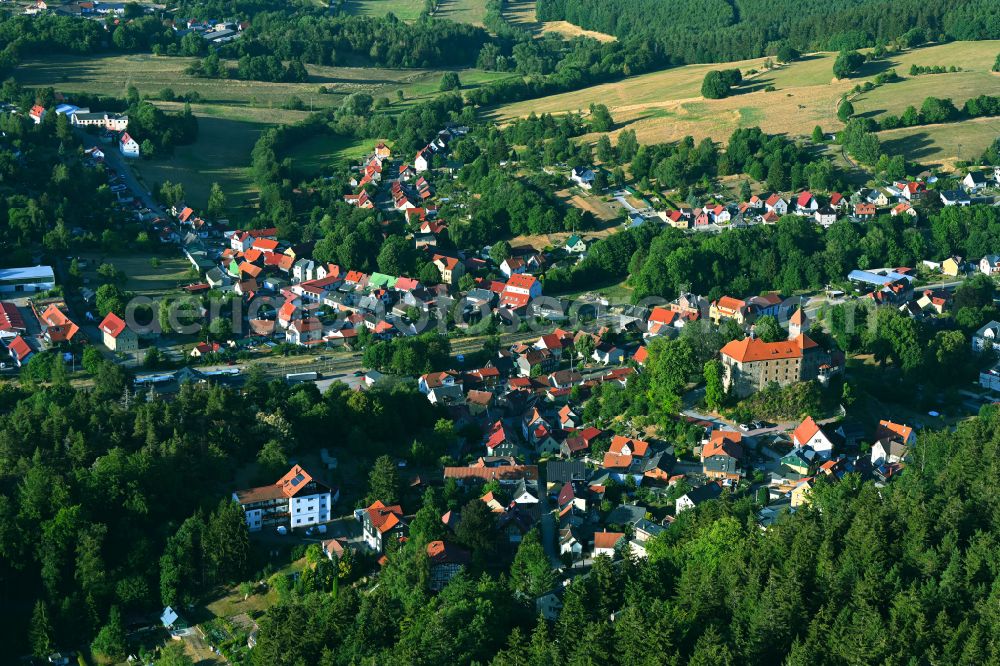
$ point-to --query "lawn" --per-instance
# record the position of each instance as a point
(326, 151)
(220, 155)
(143, 278)
(942, 145)
(111, 75)
(462, 11)
(667, 105)
(406, 10)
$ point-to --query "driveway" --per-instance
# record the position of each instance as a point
(120, 164)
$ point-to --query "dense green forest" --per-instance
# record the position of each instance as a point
(723, 31)
(107, 504)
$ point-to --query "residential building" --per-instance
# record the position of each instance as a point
(990, 264)
(295, 500)
(128, 146)
(955, 198)
(57, 327)
(381, 523)
(20, 351)
(446, 561)
(117, 336)
(892, 443)
(722, 456)
(450, 268)
(729, 308)
(810, 434)
(582, 177)
(693, 498)
(952, 266)
(113, 122)
(974, 181)
(987, 337)
(575, 245)
(519, 291)
(751, 364)
(605, 542)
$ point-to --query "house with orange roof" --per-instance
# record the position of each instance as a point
(450, 268)
(382, 523)
(751, 364)
(605, 542)
(729, 308)
(295, 500)
(57, 326)
(446, 561)
(809, 433)
(723, 455)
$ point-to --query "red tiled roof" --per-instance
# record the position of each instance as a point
(754, 349)
(10, 317)
(383, 517)
(723, 443)
(18, 348)
(806, 430)
(522, 281)
(607, 539)
(112, 325)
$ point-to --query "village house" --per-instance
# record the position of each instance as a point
(605, 543)
(117, 336)
(19, 350)
(381, 523)
(955, 198)
(693, 498)
(810, 434)
(56, 326)
(446, 561)
(729, 308)
(990, 265)
(892, 443)
(776, 204)
(519, 291)
(128, 146)
(295, 500)
(582, 177)
(450, 268)
(722, 456)
(987, 337)
(974, 181)
(575, 245)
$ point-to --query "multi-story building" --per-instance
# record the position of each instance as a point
(294, 500)
(116, 334)
(381, 523)
(722, 456)
(751, 364)
(729, 308)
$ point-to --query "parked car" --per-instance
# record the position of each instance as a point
(744, 427)
(316, 529)
(282, 530)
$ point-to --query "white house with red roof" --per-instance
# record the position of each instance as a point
(776, 204)
(810, 434)
(128, 146)
(295, 500)
(381, 523)
(519, 291)
(36, 113)
(117, 336)
(805, 203)
(19, 350)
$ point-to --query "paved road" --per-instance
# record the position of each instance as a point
(119, 163)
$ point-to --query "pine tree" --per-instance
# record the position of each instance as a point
(41, 631)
